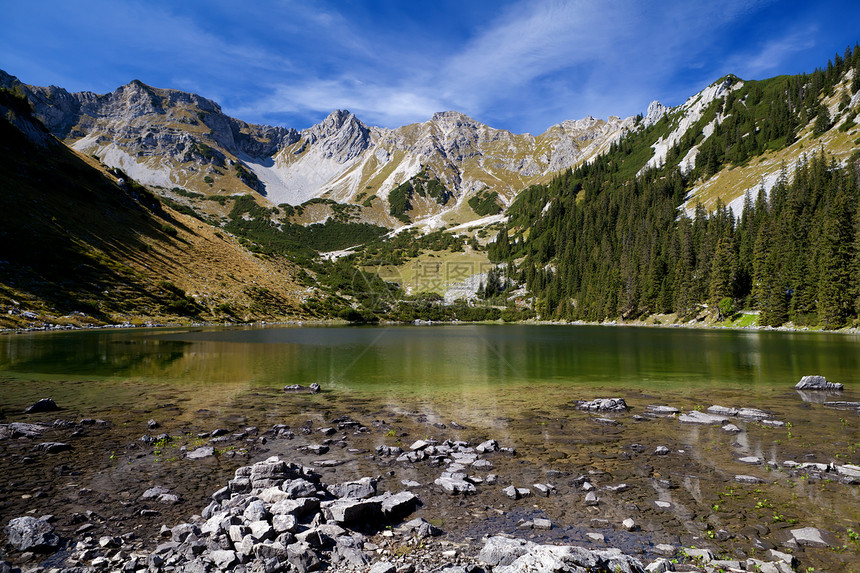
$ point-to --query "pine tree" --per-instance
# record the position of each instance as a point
(723, 271)
(822, 122)
(834, 300)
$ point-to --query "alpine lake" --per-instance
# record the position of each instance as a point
(394, 385)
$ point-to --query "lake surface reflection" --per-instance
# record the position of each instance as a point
(515, 383)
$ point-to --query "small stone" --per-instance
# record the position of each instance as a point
(488, 446)
(663, 504)
(752, 460)
(591, 499)
(787, 558)
(510, 492)
(706, 555)
(731, 429)
(661, 451)
(661, 565)
(629, 524)
(596, 537)
(541, 523)
(542, 489)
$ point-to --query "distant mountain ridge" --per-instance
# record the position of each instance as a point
(175, 139)
(172, 138)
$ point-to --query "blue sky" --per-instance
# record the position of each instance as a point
(518, 65)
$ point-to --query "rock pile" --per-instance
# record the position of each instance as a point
(272, 516)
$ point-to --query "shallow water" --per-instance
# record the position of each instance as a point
(515, 383)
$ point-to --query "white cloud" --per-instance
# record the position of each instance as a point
(774, 54)
(373, 103)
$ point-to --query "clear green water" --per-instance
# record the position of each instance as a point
(437, 358)
(511, 367)
(516, 383)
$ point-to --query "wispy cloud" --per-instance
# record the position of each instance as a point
(517, 64)
(774, 53)
(375, 104)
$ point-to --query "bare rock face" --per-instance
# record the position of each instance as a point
(655, 113)
(817, 383)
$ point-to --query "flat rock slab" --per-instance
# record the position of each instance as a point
(810, 537)
(842, 405)
(200, 453)
(52, 447)
(661, 410)
(696, 417)
(748, 479)
(752, 460)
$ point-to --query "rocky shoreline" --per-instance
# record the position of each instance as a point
(280, 516)
(342, 496)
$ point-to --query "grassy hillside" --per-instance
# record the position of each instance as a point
(80, 245)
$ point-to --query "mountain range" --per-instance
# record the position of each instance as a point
(230, 195)
(169, 138)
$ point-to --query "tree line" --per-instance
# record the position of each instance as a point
(596, 252)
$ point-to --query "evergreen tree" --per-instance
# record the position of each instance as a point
(723, 271)
(822, 122)
(834, 291)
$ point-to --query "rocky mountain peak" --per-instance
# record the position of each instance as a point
(451, 120)
(341, 136)
(655, 113)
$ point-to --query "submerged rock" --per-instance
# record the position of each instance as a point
(696, 417)
(816, 383)
(298, 389)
